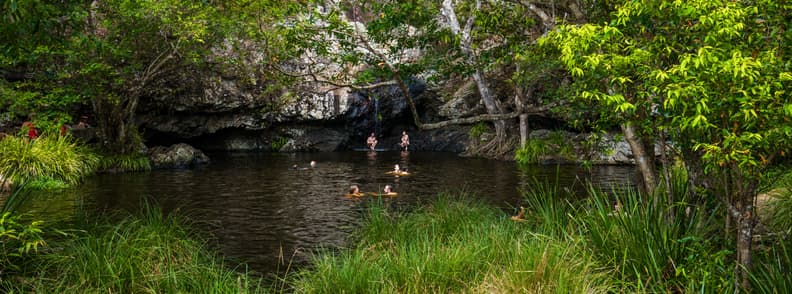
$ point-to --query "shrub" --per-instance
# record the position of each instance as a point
(17, 239)
(57, 158)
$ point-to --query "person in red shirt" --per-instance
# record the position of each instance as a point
(32, 132)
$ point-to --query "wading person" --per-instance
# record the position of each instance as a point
(371, 142)
(405, 141)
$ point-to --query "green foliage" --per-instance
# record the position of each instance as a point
(535, 149)
(148, 253)
(772, 273)
(134, 162)
(696, 70)
(278, 143)
(478, 129)
(18, 238)
(71, 55)
(711, 76)
(56, 158)
(532, 152)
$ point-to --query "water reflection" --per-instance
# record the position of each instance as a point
(258, 205)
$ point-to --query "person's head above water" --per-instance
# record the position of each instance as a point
(354, 189)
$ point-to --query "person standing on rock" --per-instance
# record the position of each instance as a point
(405, 141)
(372, 141)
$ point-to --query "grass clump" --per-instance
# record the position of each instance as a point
(141, 254)
(451, 246)
(655, 248)
(48, 158)
(134, 162)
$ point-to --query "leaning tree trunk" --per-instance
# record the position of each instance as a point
(490, 104)
(642, 157)
(465, 45)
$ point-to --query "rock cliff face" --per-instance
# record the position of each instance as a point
(235, 109)
(218, 111)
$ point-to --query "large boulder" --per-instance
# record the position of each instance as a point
(176, 156)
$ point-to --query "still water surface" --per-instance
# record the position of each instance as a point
(262, 210)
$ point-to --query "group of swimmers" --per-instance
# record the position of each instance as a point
(354, 190)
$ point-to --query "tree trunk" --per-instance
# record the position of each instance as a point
(746, 186)
(490, 104)
(641, 156)
(744, 242)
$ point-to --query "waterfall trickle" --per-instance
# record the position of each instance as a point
(377, 117)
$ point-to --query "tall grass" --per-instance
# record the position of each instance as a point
(550, 212)
(141, 254)
(650, 250)
(57, 158)
(451, 246)
(772, 272)
(125, 163)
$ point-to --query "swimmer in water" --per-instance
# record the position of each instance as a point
(312, 165)
(388, 191)
(398, 171)
(354, 191)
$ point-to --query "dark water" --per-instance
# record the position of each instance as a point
(262, 211)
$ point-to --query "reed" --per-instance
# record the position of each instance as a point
(150, 253)
(451, 245)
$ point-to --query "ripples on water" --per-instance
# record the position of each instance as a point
(257, 205)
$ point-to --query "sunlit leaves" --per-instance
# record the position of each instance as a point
(706, 64)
